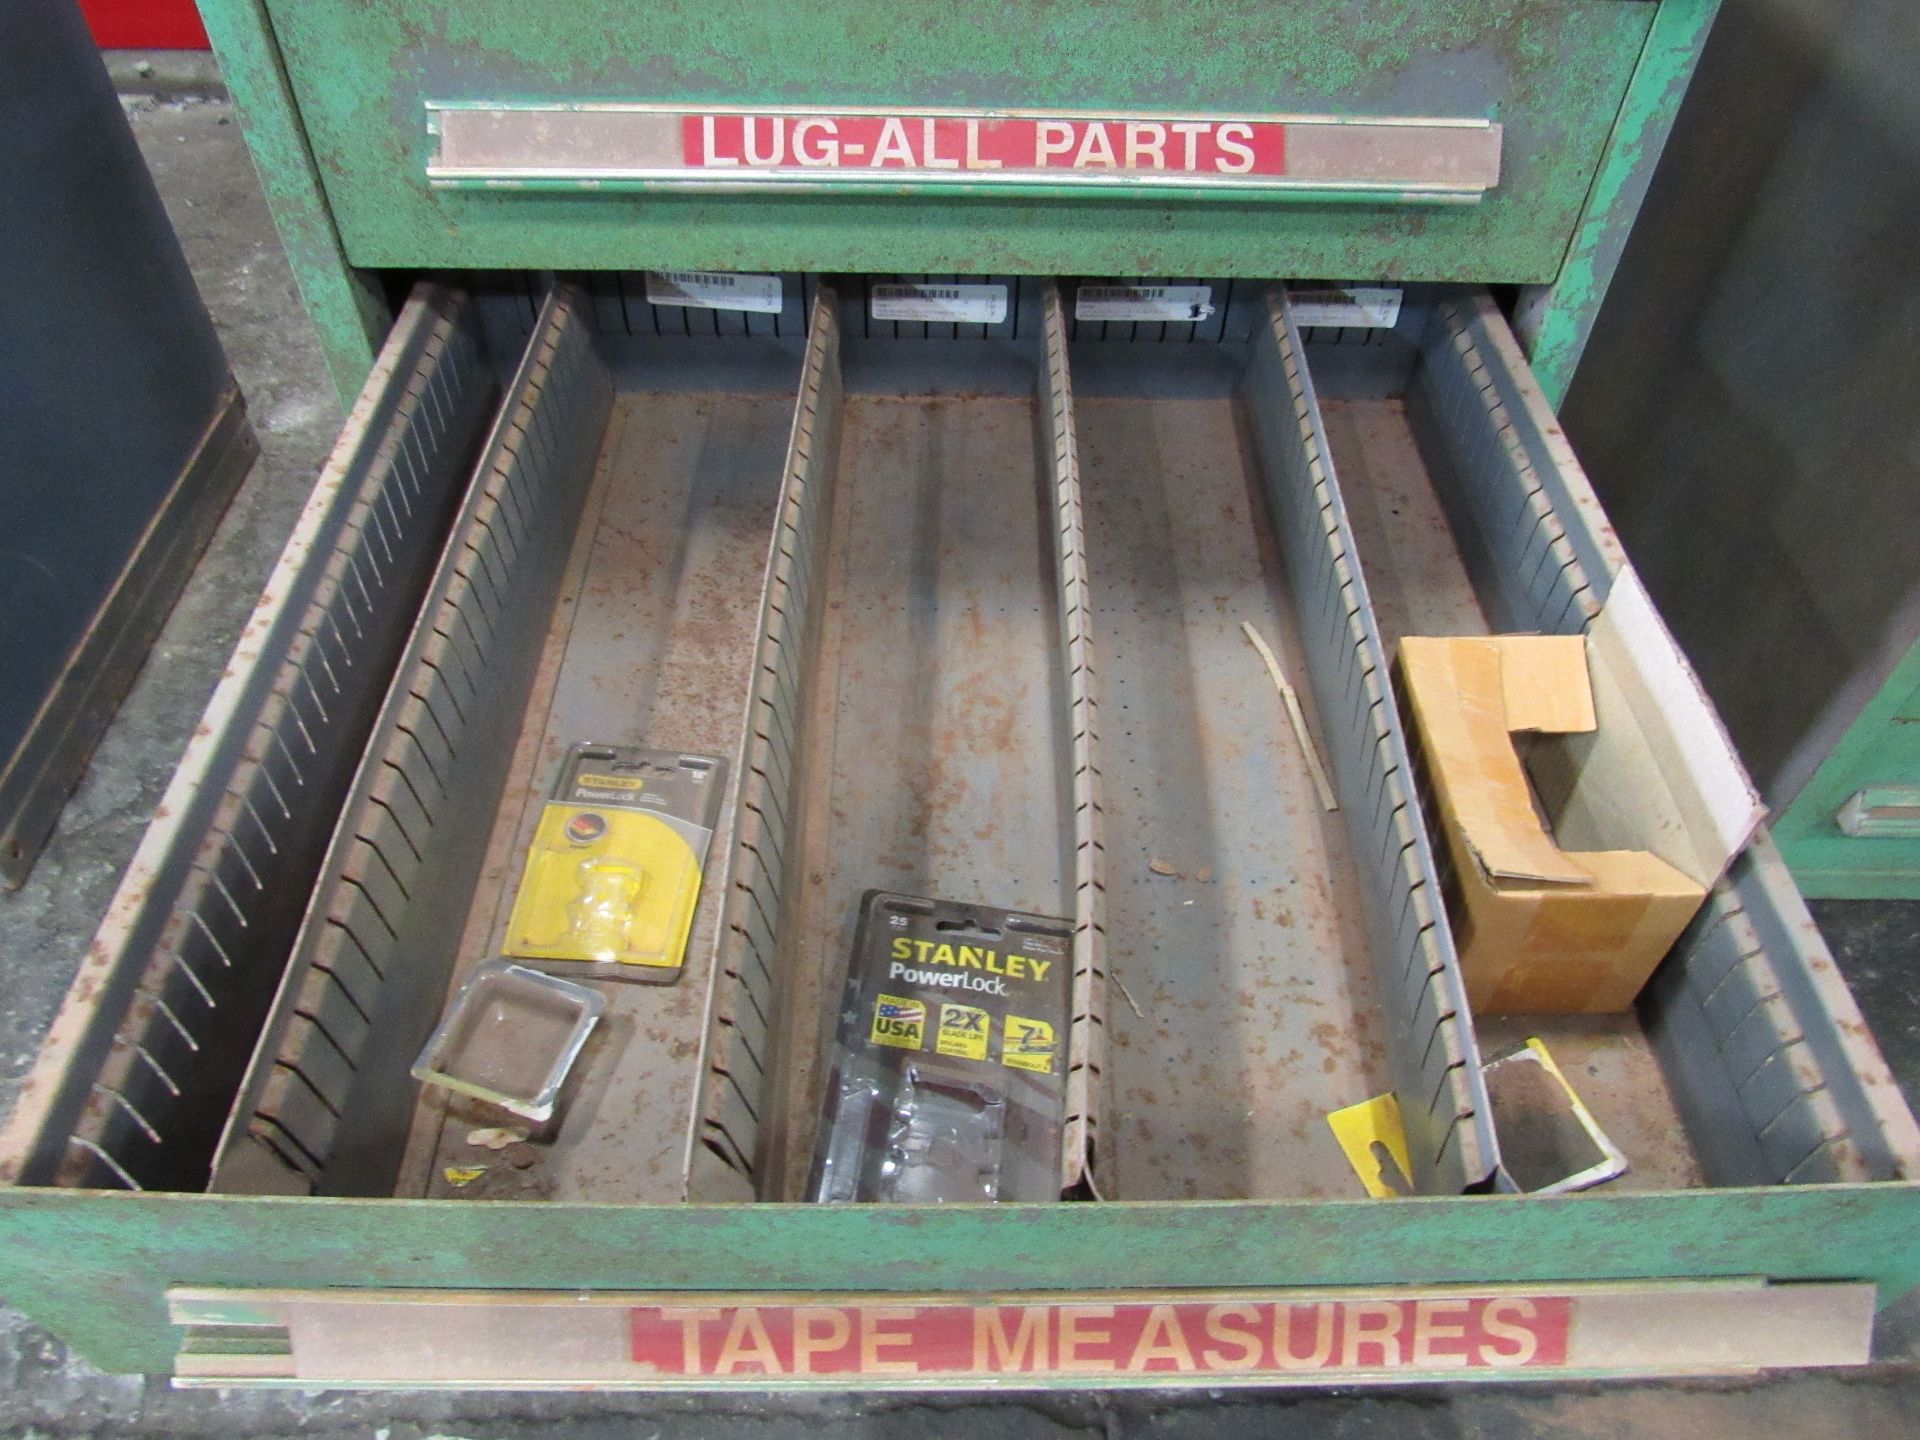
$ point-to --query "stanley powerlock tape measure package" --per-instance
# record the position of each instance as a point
(613, 876)
(949, 1075)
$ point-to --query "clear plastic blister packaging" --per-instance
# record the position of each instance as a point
(948, 1080)
(613, 876)
(510, 1037)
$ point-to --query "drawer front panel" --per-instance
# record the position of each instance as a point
(1552, 73)
(121, 1253)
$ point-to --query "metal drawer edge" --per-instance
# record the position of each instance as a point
(126, 1077)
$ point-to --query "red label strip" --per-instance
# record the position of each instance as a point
(1228, 1337)
(976, 146)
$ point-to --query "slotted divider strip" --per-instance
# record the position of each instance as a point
(328, 1089)
(729, 1127)
(1435, 1060)
(1514, 509)
(1086, 1032)
(216, 913)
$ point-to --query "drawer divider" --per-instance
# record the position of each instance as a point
(737, 1132)
(1435, 1058)
(387, 904)
(1086, 1033)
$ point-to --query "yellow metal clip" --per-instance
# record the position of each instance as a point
(1375, 1143)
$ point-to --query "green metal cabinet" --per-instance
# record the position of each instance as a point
(1744, 418)
(333, 96)
(564, 501)
(1853, 830)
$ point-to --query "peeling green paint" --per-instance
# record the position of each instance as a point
(1554, 323)
(347, 311)
(1581, 141)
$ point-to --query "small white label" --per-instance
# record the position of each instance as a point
(1178, 304)
(714, 290)
(941, 304)
(1348, 307)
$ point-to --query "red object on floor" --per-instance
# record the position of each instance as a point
(145, 24)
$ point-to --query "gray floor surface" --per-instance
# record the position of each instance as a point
(200, 162)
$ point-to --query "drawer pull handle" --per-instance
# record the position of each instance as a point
(1882, 812)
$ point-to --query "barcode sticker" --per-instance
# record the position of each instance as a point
(1179, 304)
(714, 290)
(941, 304)
(1348, 307)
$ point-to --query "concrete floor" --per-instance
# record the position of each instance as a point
(201, 165)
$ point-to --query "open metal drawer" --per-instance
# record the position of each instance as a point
(967, 613)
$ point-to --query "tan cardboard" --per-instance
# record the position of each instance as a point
(1648, 805)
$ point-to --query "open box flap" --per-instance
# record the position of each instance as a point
(1659, 767)
(1490, 689)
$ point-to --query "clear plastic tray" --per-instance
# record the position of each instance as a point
(510, 1037)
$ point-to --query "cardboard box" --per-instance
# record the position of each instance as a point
(1571, 870)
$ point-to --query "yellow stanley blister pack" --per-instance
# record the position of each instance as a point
(613, 876)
